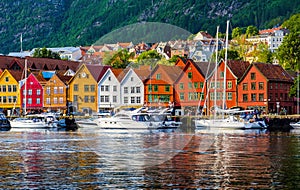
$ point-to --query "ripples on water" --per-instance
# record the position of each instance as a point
(95, 159)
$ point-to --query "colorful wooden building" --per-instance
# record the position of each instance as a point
(266, 87)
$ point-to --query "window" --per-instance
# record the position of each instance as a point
(102, 88)
(190, 75)
(245, 97)
(29, 101)
(201, 84)
(9, 88)
(55, 90)
(131, 78)
(190, 96)
(261, 97)
(132, 89)
(115, 88)
(75, 98)
(48, 90)
(4, 99)
(158, 76)
(14, 99)
(167, 88)
(30, 92)
(150, 98)
(92, 99)
(253, 85)
(222, 74)
(9, 99)
(253, 97)
(6, 79)
(138, 89)
(229, 84)
(125, 90)
(76, 87)
(92, 87)
(4, 88)
(114, 99)
(55, 100)
(138, 100)
(106, 98)
(164, 98)
(86, 99)
(181, 86)
(190, 85)
(195, 85)
(260, 85)
(155, 98)
(229, 95)
(150, 88)
(125, 100)
(86, 88)
(181, 96)
(252, 76)
(61, 100)
(61, 90)
(107, 88)
(48, 101)
(132, 100)
(38, 92)
(212, 96)
(155, 88)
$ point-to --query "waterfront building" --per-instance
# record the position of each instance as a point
(266, 87)
(83, 93)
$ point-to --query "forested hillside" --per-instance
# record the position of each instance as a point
(48, 23)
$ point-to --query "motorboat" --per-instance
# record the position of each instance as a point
(86, 122)
(33, 121)
(129, 120)
(4, 122)
(295, 125)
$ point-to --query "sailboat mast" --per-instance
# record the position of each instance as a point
(225, 67)
(215, 85)
(25, 88)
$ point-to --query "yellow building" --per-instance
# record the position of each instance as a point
(10, 91)
(83, 88)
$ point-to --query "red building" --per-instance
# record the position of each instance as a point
(191, 85)
(34, 94)
(234, 71)
(159, 87)
(266, 87)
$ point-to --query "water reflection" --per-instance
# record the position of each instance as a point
(92, 159)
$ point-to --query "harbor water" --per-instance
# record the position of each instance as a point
(90, 158)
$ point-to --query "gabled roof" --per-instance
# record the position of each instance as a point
(143, 72)
(238, 68)
(205, 68)
(172, 72)
(97, 71)
(18, 75)
(120, 73)
(273, 72)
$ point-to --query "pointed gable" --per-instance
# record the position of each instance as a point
(97, 71)
(238, 68)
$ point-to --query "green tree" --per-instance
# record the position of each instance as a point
(231, 55)
(251, 31)
(294, 91)
(236, 32)
(263, 54)
(120, 59)
(288, 52)
(45, 53)
(149, 57)
(293, 23)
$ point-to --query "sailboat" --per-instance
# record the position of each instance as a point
(230, 121)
